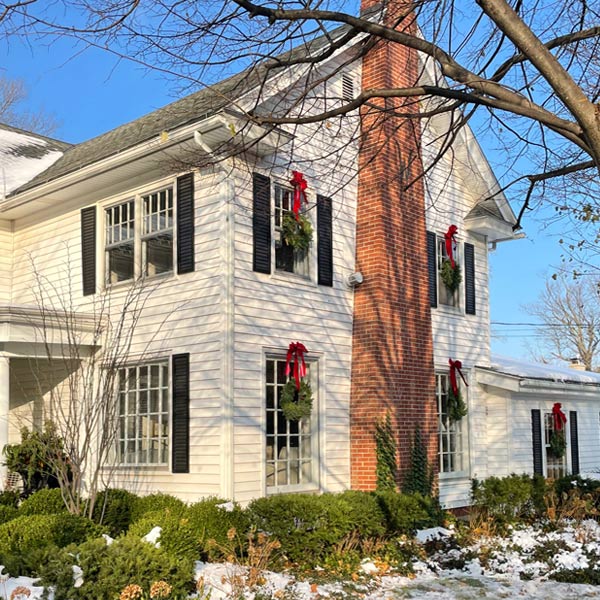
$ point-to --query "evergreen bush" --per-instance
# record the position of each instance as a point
(23, 540)
(43, 502)
(113, 509)
(310, 527)
(405, 513)
(155, 502)
(108, 569)
(8, 513)
(504, 499)
(10, 498)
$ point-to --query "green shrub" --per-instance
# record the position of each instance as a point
(210, 522)
(108, 569)
(7, 513)
(9, 498)
(155, 503)
(364, 512)
(564, 485)
(113, 509)
(405, 513)
(506, 500)
(24, 540)
(43, 502)
(310, 527)
(178, 537)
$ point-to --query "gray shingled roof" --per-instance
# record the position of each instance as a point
(181, 112)
(178, 113)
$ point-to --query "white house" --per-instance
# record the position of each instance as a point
(161, 205)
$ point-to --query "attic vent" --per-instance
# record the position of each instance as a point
(347, 88)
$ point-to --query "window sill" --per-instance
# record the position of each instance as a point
(149, 279)
(293, 278)
(308, 488)
(455, 311)
(146, 468)
(454, 476)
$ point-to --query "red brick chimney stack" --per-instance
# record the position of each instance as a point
(392, 358)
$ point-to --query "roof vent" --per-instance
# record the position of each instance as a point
(575, 363)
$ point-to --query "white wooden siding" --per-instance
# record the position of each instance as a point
(6, 260)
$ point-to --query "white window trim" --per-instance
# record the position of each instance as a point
(276, 273)
(316, 444)
(465, 434)
(136, 195)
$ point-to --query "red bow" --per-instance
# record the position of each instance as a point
(300, 186)
(559, 417)
(295, 353)
(455, 365)
(450, 242)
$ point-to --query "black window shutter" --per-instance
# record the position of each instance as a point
(432, 267)
(469, 279)
(181, 414)
(185, 223)
(574, 442)
(261, 223)
(324, 240)
(88, 250)
(536, 436)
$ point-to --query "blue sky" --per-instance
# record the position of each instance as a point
(90, 92)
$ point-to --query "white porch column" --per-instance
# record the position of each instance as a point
(4, 406)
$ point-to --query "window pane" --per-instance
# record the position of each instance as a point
(120, 263)
(159, 254)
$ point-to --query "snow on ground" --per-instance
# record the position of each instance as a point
(520, 565)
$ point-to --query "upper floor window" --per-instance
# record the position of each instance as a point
(287, 258)
(139, 248)
(446, 296)
(452, 442)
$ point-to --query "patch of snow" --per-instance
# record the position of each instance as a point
(432, 534)
(521, 368)
(153, 536)
(107, 539)
(77, 576)
(368, 566)
(226, 506)
(16, 169)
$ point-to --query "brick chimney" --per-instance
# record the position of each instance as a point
(392, 354)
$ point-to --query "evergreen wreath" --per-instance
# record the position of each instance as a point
(457, 409)
(558, 443)
(296, 233)
(296, 404)
(451, 276)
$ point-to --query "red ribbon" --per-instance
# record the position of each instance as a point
(300, 186)
(450, 242)
(456, 365)
(295, 354)
(559, 416)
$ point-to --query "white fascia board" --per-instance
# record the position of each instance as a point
(525, 385)
(156, 144)
(489, 226)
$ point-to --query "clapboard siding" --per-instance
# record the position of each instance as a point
(6, 260)
(182, 313)
(273, 310)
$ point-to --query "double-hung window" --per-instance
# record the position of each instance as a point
(287, 258)
(139, 237)
(452, 443)
(143, 415)
(446, 296)
(556, 466)
(291, 446)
